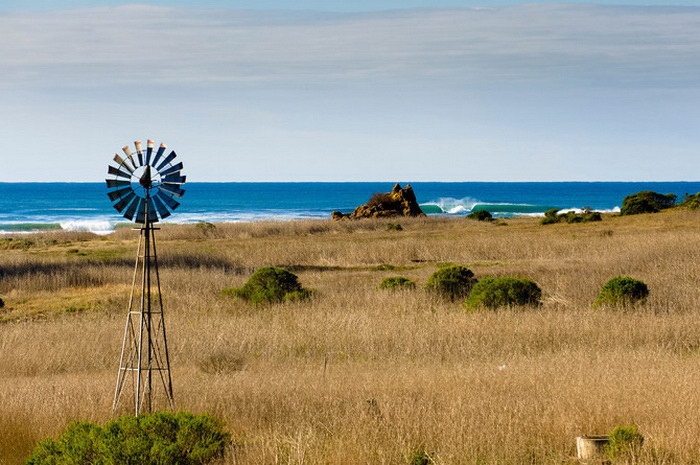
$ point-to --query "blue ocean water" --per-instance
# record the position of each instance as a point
(85, 206)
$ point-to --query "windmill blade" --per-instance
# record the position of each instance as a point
(172, 169)
(162, 209)
(159, 154)
(141, 212)
(122, 163)
(139, 151)
(167, 160)
(169, 201)
(121, 205)
(116, 183)
(127, 152)
(174, 179)
(149, 151)
(152, 214)
(173, 189)
(118, 173)
(129, 213)
(114, 195)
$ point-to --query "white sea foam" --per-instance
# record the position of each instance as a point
(578, 211)
(451, 205)
(94, 226)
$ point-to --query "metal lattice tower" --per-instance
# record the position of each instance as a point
(145, 186)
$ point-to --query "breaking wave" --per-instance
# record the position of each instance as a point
(451, 206)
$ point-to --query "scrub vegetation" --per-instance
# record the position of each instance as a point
(361, 375)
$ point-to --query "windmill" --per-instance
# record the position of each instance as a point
(143, 187)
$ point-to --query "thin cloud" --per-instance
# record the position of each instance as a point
(557, 44)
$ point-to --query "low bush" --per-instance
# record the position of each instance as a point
(205, 228)
(646, 202)
(691, 201)
(420, 457)
(622, 291)
(624, 440)
(397, 283)
(480, 215)
(153, 439)
(270, 285)
(453, 282)
(552, 216)
(298, 296)
(504, 292)
(394, 227)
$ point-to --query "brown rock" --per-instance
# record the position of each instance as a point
(398, 202)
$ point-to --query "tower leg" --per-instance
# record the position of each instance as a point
(145, 351)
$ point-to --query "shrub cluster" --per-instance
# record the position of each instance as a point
(691, 201)
(397, 283)
(270, 285)
(553, 216)
(647, 202)
(503, 292)
(154, 439)
(453, 282)
(624, 440)
(205, 228)
(420, 457)
(480, 215)
(456, 282)
(394, 227)
(622, 291)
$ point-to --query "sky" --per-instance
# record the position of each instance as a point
(385, 90)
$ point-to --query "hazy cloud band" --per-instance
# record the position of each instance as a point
(137, 45)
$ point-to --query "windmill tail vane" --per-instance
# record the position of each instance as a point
(143, 186)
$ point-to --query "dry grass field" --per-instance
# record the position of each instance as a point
(363, 376)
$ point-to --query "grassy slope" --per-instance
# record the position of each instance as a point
(295, 381)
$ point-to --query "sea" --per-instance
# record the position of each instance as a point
(33, 207)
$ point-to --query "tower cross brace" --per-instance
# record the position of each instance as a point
(145, 359)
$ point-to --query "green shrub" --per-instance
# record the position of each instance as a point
(503, 292)
(394, 227)
(624, 440)
(420, 457)
(270, 285)
(298, 296)
(646, 202)
(691, 201)
(552, 216)
(622, 291)
(551, 213)
(205, 228)
(154, 439)
(480, 215)
(453, 282)
(397, 283)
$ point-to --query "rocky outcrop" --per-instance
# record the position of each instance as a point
(399, 202)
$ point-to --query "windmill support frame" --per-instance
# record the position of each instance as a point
(144, 354)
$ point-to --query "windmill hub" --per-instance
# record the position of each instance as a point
(145, 180)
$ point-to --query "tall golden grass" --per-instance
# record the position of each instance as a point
(359, 375)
